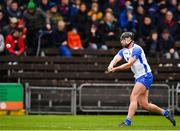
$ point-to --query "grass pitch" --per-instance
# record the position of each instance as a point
(84, 122)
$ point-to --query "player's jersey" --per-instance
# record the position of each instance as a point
(140, 67)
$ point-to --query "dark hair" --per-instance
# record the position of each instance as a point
(14, 1)
(165, 31)
(127, 35)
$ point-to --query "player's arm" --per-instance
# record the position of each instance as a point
(125, 66)
(114, 61)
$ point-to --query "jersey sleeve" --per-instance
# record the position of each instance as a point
(136, 53)
(120, 53)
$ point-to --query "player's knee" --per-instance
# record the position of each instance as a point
(133, 98)
(144, 105)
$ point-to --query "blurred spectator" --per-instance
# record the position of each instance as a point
(123, 4)
(109, 27)
(35, 20)
(127, 20)
(56, 1)
(171, 24)
(152, 10)
(160, 17)
(146, 27)
(167, 45)
(93, 20)
(177, 13)
(22, 29)
(152, 7)
(14, 10)
(2, 45)
(95, 10)
(172, 5)
(140, 2)
(140, 13)
(96, 25)
(59, 39)
(15, 43)
(74, 40)
(64, 9)
(53, 14)
(3, 21)
(75, 7)
(11, 26)
(152, 44)
(79, 18)
(95, 39)
(7, 3)
(113, 4)
(44, 5)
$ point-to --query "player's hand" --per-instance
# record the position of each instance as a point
(109, 69)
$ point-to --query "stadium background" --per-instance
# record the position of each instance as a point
(57, 51)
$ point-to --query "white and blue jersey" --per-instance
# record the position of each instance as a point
(140, 68)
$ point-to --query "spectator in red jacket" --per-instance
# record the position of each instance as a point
(15, 43)
(74, 40)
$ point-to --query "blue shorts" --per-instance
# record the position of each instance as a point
(146, 80)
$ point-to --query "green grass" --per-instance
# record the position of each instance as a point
(85, 122)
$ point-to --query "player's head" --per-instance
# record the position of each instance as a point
(126, 38)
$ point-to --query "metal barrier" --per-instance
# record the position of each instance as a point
(177, 97)
(50, 100)
(107, 97)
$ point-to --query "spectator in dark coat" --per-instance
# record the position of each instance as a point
(3, 21)
(53, 14)
(79, 18)
(160, 17)
(167, 45)
(59, 39)
(140, 14)
(75, 7)
(93, 21)
(44, 5)
(152, 7)
(95, 40)
(14, 10)
(152, 44)
(171, 24)
(11, 26)
(146, 27)
(113, 4)
(64, 9)
(172, 5)
(35, 20)
(109, 27)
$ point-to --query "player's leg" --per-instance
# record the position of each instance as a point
(143, 102)
(136, 92)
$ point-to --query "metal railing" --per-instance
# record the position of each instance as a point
(177, 97)
(117, 100)
(45, 105)
(92, 97)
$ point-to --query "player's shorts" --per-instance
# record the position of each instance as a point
(146, 80)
